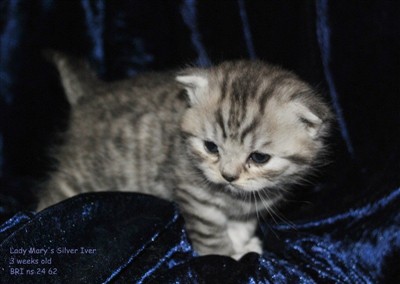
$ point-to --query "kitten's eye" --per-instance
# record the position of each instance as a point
(259, 158)
(211, 147)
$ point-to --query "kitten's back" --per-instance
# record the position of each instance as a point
(119, 135)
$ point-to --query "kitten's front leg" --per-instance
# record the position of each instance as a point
(242, 234)
(206, 225)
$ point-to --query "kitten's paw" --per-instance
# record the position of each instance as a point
(253, 245)
(242, 237)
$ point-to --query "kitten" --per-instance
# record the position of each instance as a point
(224, 143)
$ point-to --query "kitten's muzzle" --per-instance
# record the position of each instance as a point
(229, 178)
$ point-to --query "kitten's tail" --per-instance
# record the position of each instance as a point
(77, 78)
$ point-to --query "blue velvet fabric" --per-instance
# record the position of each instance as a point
(344, 228)
(139, 238)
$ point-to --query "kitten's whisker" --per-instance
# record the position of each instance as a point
(252, 194)
(250, 212)
(279, 214)
(267, 206)
(262, 217)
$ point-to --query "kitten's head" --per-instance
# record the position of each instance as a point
(252, 126)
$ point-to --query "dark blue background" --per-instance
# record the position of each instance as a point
(350, 50)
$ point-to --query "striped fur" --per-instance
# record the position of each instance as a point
(148, 135)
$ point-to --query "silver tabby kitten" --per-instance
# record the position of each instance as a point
(224, 143)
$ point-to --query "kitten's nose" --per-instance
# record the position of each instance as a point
(229, 177)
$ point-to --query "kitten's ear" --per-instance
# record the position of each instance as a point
(316, 119)
(195, 83)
